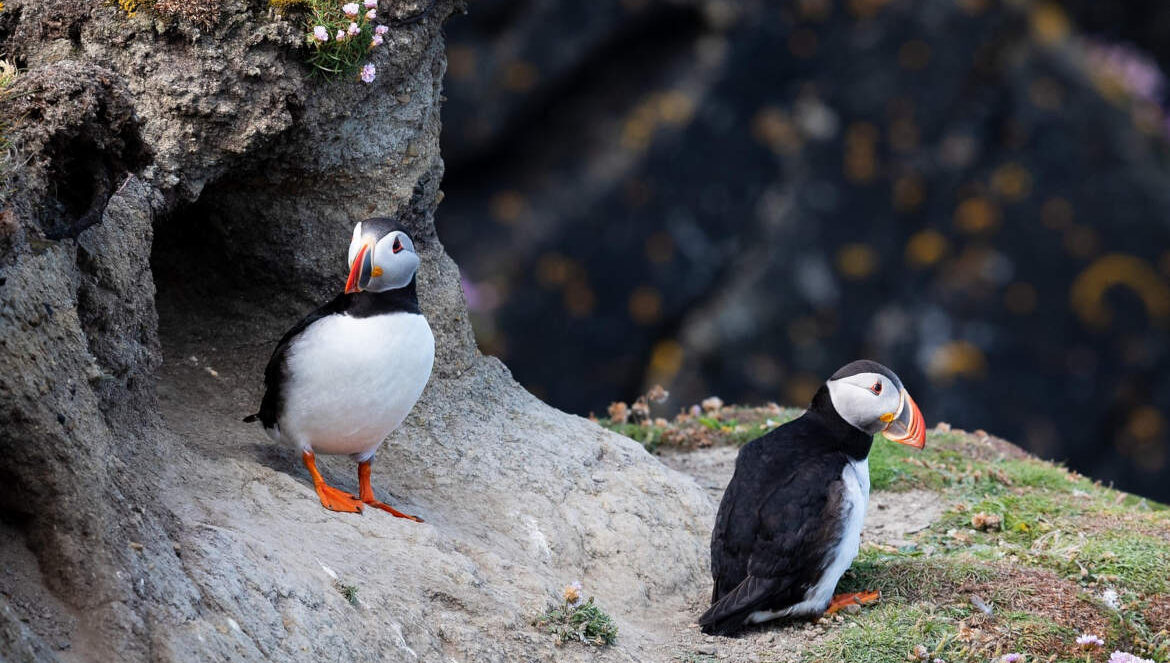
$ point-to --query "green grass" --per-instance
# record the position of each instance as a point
(583, 622)
(889, 633)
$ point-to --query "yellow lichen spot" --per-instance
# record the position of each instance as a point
(861, 152)
(914, 55)
(908, 193)
(803, 43)
(814, 10)
(461, 62)
(856, 261)
(1145, 423)
(1012, 181)
(673, 107)
(579, 298)
(1020, 298)
(553, 270)
(660, 247)
(520, 76)
(645, 305)
(507, 207)
(1087, 294)
(772, 127)
(926, 248)
(976, 215)
(1049, 23)
(666, 358)
(957, 359)
(1056, 213)
(129, 6)
(1081, 241)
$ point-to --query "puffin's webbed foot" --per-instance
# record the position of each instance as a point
(332, 498)
(367, 494)
(336, 499)
(854, 598)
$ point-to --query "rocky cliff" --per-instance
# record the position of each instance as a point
(179, 193)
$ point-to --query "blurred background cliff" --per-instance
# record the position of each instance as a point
(736, 198)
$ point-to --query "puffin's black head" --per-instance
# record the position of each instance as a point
(872, 399)
(381, 257)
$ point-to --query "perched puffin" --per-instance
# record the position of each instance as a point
(347, 375)
(789, 524)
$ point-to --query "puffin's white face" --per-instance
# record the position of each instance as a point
(380, 262)
(873, 403)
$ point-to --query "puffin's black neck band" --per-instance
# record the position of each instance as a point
(842, 435)
(365, 303)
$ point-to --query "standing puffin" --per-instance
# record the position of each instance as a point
(789, 524)
(347, 375)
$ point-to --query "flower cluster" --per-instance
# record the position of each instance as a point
(342, 34)
(1123, 657)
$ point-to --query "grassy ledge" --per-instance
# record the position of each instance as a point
(1026, 557)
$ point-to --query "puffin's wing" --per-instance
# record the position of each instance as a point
(274, 371)
(775, 544)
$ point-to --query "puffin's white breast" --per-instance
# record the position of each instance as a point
(351, 381)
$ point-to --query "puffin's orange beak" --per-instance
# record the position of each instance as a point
(908, 426)
(361, 269)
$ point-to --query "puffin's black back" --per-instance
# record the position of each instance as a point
(781, 515)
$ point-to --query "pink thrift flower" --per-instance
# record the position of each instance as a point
(1125, 657)
(353, 30)
(372, 14)
(341, 35)
(351, 9)
(377, 41)
(382, 29)
(371, 4)
(1013, 657)
(320, 33)
(1089, 641)
(368, 72)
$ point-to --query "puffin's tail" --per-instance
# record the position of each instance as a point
(251, 417)
(729, 614)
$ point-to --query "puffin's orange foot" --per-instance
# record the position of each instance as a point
(392, 511)
(856, 598)
(336, 499)
(367, 493)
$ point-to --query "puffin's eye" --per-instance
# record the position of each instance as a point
(397, 244)
(876, 388)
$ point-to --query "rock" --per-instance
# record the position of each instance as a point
(220, 185)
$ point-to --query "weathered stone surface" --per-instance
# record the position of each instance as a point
(144, 520)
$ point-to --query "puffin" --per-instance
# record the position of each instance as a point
(345, 376)
(789, 524)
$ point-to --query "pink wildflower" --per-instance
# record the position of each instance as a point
(376, 42)
(351, 10)
(1089, 641)
(353, 30)
(371, 4)
(382, 29)
(321, 33)
(341, 36)
(372, 14)
(368, 72)
(1013, 657)
(1125, 657)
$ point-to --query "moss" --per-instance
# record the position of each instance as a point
(912, 575)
